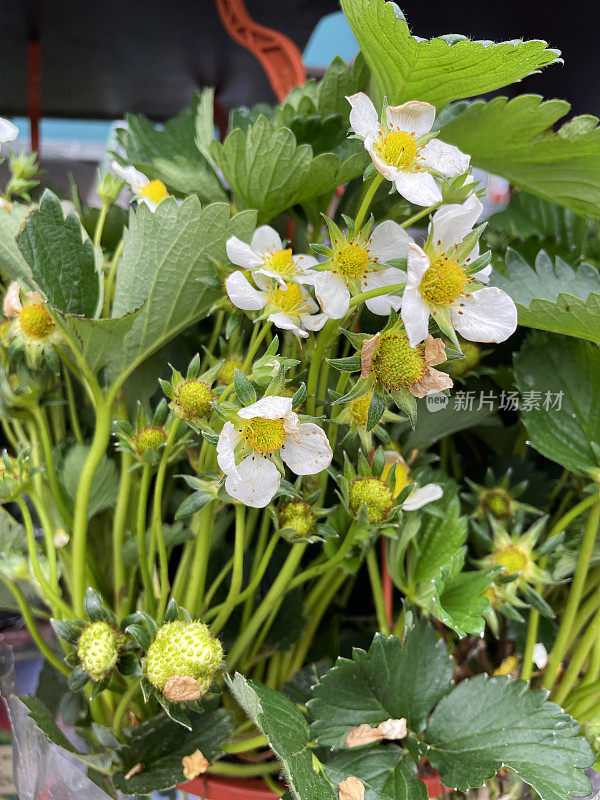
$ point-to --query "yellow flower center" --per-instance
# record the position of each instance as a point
(396, 363)
(265, 435)
(352, 261)
(281, 261)
(290, 300)
(35, 321)
(513, 558)
(397, 148)
(444, 281)
(498, 503)
(359, 408)
(155, 191)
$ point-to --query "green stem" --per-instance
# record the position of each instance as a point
(325, 566)
(245, 745)
(575, 592)
(237, 575)
(157, 520)
(579, 656)
(324, 339)
(126, 698)
(119, 523)
(110, 278)
(593, 669)
(29, 621)
(366, 201)
(141, 536)
(244, 770)
(254, 345)
(530, 642)
(57, 493)
(419, 215)
(377, 591)
(100, 224)
(194, 597)
(72, 406)
(360, 298)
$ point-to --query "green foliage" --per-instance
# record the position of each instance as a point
(457, 597)
(288, 733)
(442, 533)
(487, 723)
(387, 682)
(177, 153)
(12, 264)
(64, 263)
(569, 434)
(439, 70)
(514, 138)
(104, 490)
(553, 296)
(386, 772)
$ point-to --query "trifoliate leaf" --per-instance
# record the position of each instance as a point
(553, 296)
(560, 379)
(439, 70)
(487, 723)
(392, 680)
(515, 139)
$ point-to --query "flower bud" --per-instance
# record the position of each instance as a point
(109, 187)
(98, 649)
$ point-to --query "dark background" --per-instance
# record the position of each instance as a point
(101, 59)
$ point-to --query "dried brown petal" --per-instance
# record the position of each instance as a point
(194, 765)
(435, 353)
(12, 301)
(133, 771)
(393, 728)
(367, 354)
(432, 380)
(363, 734)
(182, 688)
(351, 789)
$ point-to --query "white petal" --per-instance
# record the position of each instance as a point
(12, 300)
(413, 117)
(386, 277)
(388, 240)
(419, 188)
(136, 179)
(417, 265)
(451, 223)
(313, 322)
(266, 240)
(241, 254)
(421, 496)
(264, 278)
(269, 407)
(286, 323)
(487, 315)
(228, 439)
(332, 294)
(242, 294)
(415, 316)
(257, 481)
(483, 276)
(363, 115)
(444, 158)
(388, 172)
(539, 655)
(303, 262)
(309, 452)
(8, 130)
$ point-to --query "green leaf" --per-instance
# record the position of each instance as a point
(392, 680)
(177, 154)
(168, 272)
(63, 260)
(436, 70)
(458, 600)
(269, 171)
(385, 772)
(243, 388)
(160, 745)
(553, 296)
(442, 534)
(514, 138)
(13, 266)
(105, 486)
(555, 365)
(287, 731)
(487, 723)
(100, 341)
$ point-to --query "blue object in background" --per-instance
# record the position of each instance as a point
(331, 37)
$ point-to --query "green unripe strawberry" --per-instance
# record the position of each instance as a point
(98, 649)
(183, 650)
(375, 494)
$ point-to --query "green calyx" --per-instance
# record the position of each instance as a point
(98, 649)
(193, 399)
(375, 494)
(498, 503)
(297, 515)
(396, 364)
(183, 649)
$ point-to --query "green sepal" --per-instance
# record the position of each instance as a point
(68, 629)
(299, 397)
(350, 364)
(406, 402)
(129, 665)
(243, 388)
(77, 679)
(140, 634)
(360, 388)
(376, 410)
(172, 611)
(95, 609)
(536, 601)
(378, 463)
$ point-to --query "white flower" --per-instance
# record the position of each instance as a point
(266, 258)
(8, 130)
(262, 429)
(144, 190)
(293, 309)
(421, 495)
(403, 150)
(438, 279)
(358, 261)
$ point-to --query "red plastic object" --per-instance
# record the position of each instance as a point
(277, 54)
